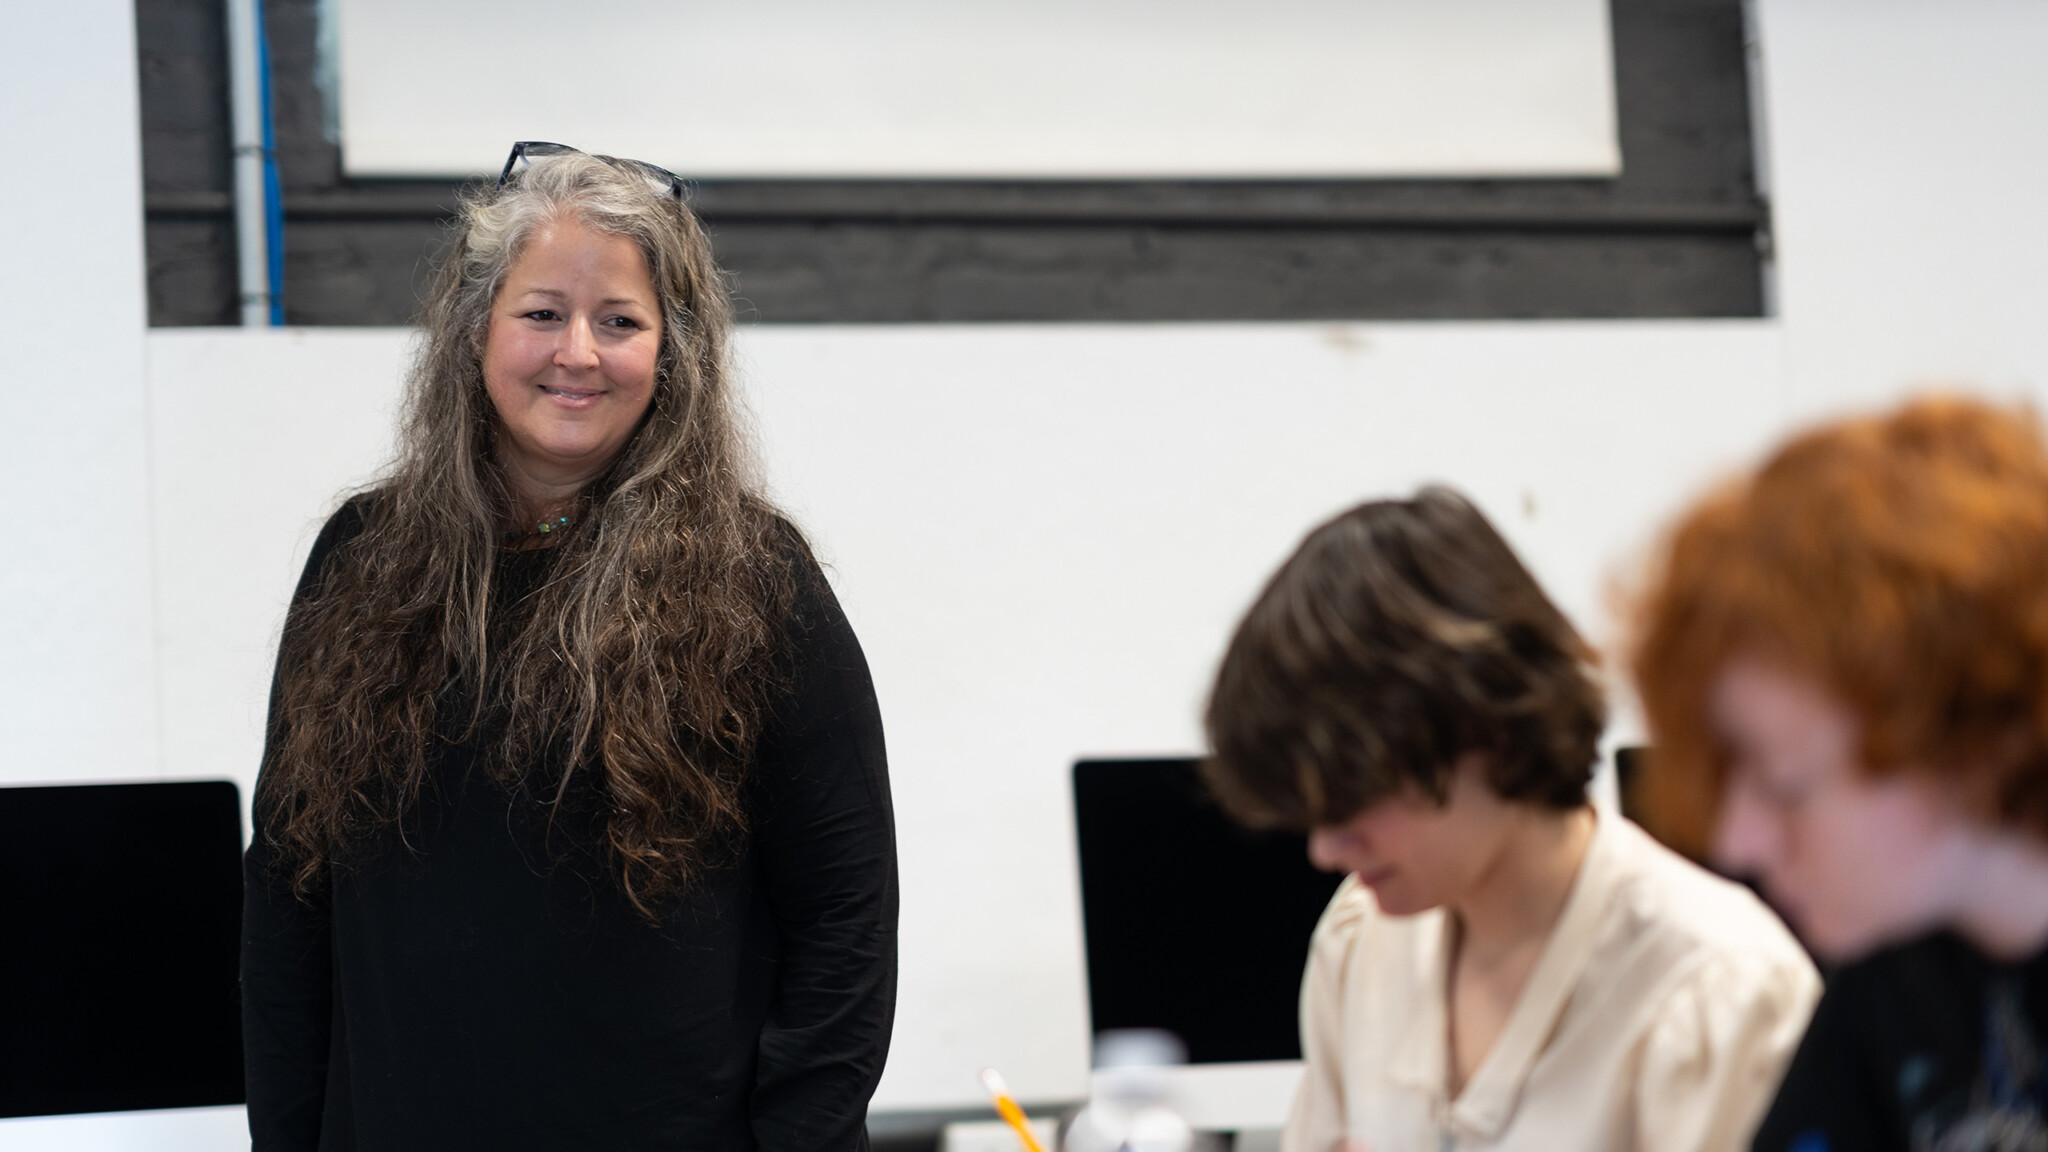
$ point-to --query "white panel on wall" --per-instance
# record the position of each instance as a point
(1037, 88)
(76, 690)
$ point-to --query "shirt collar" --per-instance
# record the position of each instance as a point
(1421, 1059)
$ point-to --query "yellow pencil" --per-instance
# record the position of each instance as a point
(1007, 1105)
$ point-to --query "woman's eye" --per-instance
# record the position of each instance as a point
(623, 322)
(543, 314)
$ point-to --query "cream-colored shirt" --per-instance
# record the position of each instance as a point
(1659, 1017)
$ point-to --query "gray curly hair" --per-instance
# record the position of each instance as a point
(650, 652)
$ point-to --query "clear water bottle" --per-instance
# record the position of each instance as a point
(1132, 1109)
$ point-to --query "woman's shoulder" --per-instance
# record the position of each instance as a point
(1352, 924)
(816, 650)
(343, 525)
(1366, 968)
(1715, 989)
(1350, 910)
(355, 513)
(812, 604)
(1706, 922)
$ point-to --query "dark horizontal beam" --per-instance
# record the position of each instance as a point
(1460, 217)
(1053, 204)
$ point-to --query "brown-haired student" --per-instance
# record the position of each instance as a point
(1502, 968)
(1845, 667)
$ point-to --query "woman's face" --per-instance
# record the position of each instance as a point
(1414, 853)
(1856, 861)
(569, 357)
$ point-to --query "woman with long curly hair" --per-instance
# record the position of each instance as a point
(573, 827)
(1844, 662)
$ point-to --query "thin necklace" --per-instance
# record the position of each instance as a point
(514, 535)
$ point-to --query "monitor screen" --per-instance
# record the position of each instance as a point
(121, 906)
(1193, 924)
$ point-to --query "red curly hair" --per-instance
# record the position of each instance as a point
(1901, 560)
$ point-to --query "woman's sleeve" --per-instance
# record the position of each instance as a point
(826, 843)
(287, 1006)
(1316, 1121)
(1713, 1056)
(287, 981)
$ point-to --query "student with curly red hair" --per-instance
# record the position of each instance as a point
(1844, 663)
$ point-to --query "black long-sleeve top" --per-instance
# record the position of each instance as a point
(1924, 1045)
(488, 986)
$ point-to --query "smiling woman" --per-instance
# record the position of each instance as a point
(573, 827)
(569, 360)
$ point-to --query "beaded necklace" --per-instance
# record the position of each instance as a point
(515, 535)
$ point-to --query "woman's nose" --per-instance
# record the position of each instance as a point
(577, 346)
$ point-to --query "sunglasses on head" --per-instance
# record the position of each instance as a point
(526, 151)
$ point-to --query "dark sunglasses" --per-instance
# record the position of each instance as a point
(530, 150)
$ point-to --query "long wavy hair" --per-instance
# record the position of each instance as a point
(650, 655)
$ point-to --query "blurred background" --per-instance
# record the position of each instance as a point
(1062, 323)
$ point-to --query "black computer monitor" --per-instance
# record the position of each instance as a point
(120, 912)
(1193, 924)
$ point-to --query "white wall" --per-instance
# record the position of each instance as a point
(1910, 148)
(76, 686)
(255, 434)
(1044, 536)
(1044, 533)
(77, 671)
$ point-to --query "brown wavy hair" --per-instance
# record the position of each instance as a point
(650, 655)
(1401, 635)
(1901, 560)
